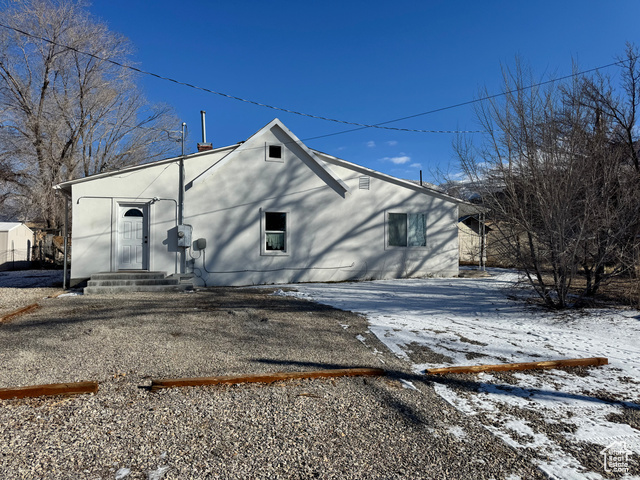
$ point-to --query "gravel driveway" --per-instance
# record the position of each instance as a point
(334, 428)
(24, 287)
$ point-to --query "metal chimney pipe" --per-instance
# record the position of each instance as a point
(204, 130)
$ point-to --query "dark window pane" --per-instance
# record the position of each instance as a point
(134, 212)
(397, 226)
(275, 151)
(275, 221)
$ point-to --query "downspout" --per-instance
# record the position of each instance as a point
(65, 264)
(483, 242)
(183, 253)
(66, 241)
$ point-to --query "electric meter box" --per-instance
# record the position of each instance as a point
(184, 235)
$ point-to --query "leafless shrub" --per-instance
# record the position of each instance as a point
(558, 171)
(66, 114)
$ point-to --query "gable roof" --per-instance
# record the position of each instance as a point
(332, 178)
(7, 226)
(388, 178)
(322, 160)
(66, 186)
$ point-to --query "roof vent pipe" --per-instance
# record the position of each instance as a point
(204, 128)
(204, 146)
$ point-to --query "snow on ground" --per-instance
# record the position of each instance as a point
(567, 417)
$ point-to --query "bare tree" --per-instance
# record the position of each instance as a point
(66, 109)
(555, 171)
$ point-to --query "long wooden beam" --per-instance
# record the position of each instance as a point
(263, 378)
(50, 389)
(575, 362)
(27, 309)
(20, 311)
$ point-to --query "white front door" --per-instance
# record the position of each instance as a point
(133, 237)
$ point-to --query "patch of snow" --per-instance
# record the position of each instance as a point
(407, 384)
(485, 320)
(158, 473)
(457, 432)
(454, 400)
(122, 473)
(289, 293)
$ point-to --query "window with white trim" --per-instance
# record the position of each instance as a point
(406, 229)
(274, 153)
(275, 232)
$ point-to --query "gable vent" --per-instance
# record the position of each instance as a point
(365, 183)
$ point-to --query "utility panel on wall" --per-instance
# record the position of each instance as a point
(184, 235)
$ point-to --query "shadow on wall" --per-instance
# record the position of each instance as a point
(171, 241)
(354, 249)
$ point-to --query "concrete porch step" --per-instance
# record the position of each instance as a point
(186, 278)
(136, 288)
(134, 281)
(129, 275)
(124, 282)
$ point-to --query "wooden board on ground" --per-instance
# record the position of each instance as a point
(575, 362)
(50, 389)
(20, 311)
(263, 378)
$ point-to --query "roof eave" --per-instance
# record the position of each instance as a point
(66, 186)
(390, 178)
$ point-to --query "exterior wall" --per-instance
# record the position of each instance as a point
(15, 247)
(95, 212)
(4, 250)
(332, 235)
(469, 241)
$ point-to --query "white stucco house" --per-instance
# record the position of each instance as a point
(16, 241)
(267, 210)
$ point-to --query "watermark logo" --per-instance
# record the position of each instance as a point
(616, 458)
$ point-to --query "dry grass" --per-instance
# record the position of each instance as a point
(622, 290)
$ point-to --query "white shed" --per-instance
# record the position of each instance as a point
(16, 241)
(268, 210)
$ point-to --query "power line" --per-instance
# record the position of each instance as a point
(233, 97)
(481, 99)
(360, 126)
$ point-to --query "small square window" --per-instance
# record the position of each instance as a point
(275, 151)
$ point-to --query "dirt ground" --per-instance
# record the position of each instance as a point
(388, 427)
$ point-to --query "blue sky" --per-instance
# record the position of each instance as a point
(360, 61)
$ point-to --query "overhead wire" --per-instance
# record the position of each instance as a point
(233, 97)
(360, 126)
(477, 100)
